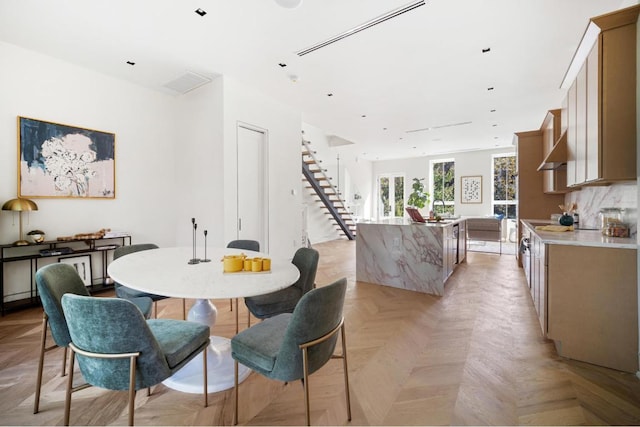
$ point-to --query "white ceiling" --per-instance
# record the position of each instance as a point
(422, 69)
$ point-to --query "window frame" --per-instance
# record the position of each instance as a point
(391, 176)
(448, 203)
(505, 203)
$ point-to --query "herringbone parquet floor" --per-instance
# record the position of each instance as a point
(473, 357)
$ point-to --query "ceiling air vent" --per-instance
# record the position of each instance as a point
(372, 22)
(187, 82)
(439, 127)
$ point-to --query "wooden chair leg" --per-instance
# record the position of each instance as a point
(132, 387)
(237, 313)
(43, 341)
(184, 309)
(305, 382)
(346, 371)
(64, 361)
(67, 400)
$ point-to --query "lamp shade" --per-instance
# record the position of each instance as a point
(19, 205)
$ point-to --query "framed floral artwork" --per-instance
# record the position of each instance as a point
(56, 160)
(471, 189)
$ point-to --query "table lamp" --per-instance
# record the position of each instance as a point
(20, 205)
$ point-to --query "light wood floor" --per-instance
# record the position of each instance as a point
(473, 357)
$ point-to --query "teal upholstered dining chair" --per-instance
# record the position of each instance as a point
(128, 293)
(247, 245)
(285, 300)
(292, 346)
(118, 349)
(53, 281)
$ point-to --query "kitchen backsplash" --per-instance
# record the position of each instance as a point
(591, 199)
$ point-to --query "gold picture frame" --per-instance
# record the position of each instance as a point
(63, 161)
(471, 187)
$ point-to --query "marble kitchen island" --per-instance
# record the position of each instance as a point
(414, 256)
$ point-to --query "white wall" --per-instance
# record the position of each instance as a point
(40, 87)
(199, 164)
(175, 156)
(283, 124)
(472, 163)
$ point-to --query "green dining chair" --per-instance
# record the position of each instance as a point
(247, 245)
(117, 349)
(128, 293)
(292, 346)
(53, 281)
(285, 300)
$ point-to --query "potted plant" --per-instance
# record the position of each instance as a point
(418, 198)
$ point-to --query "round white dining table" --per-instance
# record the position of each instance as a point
(168, 272)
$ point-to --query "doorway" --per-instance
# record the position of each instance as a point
(253, 185)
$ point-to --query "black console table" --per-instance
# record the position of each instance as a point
(59, 250)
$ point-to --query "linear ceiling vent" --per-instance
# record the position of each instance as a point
(450, 125)
(375, 21)
(187, 82)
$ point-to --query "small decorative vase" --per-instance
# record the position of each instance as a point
(566, 219)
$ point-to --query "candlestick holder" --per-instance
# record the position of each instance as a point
(194, 260)
(205, 259)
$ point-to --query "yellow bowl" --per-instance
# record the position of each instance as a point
(233, 263)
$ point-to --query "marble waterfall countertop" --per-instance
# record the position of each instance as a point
(402, 254)
(579, 237)
(406, 221)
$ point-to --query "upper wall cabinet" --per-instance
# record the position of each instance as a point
(554, 150)
(601, 102)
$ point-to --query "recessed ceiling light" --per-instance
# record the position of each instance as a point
(131, 63)
(490, 88)
(493, 111)
(384, 128)
(495, 137)
(201, 12)
(486, 50)
(282, 64)
(329, 94)
(494, 125)
(364, 115)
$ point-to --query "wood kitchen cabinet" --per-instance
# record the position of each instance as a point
(593, 304)
(554, 176)
(537, 277)
(601, 103)
(539, 280)
(532, 200)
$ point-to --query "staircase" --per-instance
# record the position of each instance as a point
(325, 193)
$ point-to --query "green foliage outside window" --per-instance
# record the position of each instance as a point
(504, 186)
(399, 193)
(444, 188)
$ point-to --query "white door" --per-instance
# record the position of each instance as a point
(252, 185)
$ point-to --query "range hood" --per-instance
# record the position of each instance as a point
(557, 157)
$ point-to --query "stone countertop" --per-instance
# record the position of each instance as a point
(405, 221)
(579, 237)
